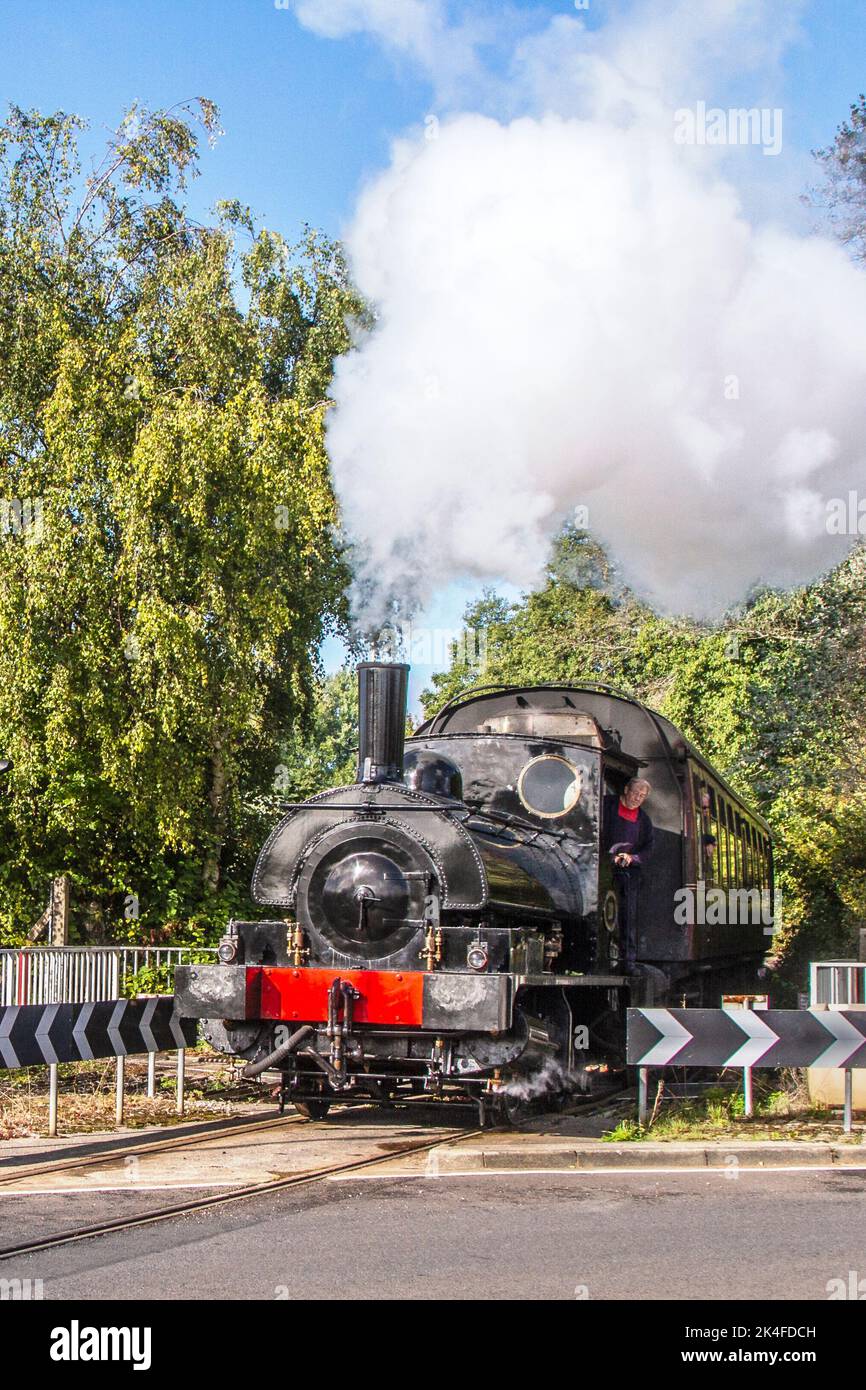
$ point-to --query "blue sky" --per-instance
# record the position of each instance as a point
(308, 120)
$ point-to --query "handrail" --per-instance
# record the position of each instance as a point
(82, 974)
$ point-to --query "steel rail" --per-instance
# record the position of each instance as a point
(256, 1189)
(154, 1146)
(126, 1223)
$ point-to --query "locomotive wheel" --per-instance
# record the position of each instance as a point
(312, 1109)
(501, 1111)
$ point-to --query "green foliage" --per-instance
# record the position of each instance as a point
(571, 629)
(157, 979)
(324, 753)
(162, 396)
(778, 1114)
(776, 1103)
(624, 1132)
(773, 696)
(844, 167)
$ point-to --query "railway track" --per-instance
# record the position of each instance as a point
(158, 1146)
(238, 1194)
(149, 1147)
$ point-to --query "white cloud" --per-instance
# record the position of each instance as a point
(575, 310)
(408, 24)
(420, 31)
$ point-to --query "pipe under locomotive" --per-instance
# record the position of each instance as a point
(437, 938)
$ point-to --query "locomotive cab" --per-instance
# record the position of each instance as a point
(543, 771)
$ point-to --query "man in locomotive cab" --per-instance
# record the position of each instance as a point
(628, 839)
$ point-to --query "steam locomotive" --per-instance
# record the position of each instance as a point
(448, 924)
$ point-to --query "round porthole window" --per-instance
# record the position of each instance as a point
(549, 785)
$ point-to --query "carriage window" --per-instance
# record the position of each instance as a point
(734, 843)
(710, 835)
(549, 785)
(698, 825)
(722, 836)
(746, 853)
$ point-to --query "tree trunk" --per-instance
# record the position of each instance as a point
(216, 797)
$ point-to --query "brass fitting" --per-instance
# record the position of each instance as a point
(432, 952)
(298, 951)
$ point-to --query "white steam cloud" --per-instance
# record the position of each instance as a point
(575, 312)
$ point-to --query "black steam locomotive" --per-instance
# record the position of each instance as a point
(449, 923)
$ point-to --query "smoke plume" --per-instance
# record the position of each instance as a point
(577, 319)
(550, 1081)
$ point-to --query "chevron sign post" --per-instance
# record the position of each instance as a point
(39, 1034)
(742, 1038)
(747, 1039)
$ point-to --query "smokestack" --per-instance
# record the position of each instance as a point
(382, 696)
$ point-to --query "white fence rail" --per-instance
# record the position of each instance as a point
(81, 974)
(837, 982)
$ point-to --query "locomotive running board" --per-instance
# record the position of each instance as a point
(438, 1000)
(573, 981)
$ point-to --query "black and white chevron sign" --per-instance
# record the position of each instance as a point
(746, 1038)
(33, 1034)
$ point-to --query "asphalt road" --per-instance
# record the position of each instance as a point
(761, 1236)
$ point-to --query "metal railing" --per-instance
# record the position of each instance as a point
(837, 982)
(82, 974)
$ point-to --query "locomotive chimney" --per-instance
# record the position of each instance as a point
(382, 696)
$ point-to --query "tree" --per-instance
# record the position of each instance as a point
(324, 753)
(773, 696)
(580, 625)
(802, 750)
(844, 192)
(170, 557)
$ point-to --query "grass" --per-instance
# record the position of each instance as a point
(783, 1111)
